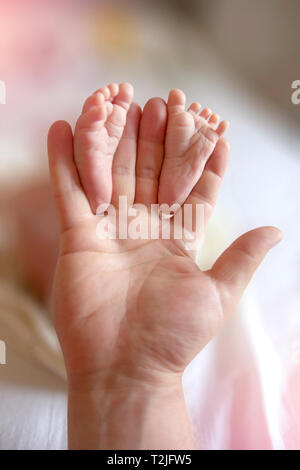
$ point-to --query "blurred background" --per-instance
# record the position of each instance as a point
(238, 57)
(53, 53)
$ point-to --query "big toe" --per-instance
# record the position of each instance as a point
(125, 96)
(176, 101)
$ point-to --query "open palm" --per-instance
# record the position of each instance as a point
(140, 308)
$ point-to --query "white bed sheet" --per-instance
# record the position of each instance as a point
(33, 407)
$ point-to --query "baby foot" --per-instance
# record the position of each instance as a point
(190, 140)
(97, 135)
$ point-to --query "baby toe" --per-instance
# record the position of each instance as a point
(214, 120)
(124, 96)
(176, 101)
(206, 113)
(105, 92)
(95, 100)
(114, 89)
(195, 107)
(222, 128)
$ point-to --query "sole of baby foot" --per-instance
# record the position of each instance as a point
(191, 137)
(97, 135)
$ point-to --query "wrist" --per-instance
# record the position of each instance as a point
(123, 413)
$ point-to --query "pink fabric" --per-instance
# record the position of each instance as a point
(240, 394)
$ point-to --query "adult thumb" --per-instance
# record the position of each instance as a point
(234, 269)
